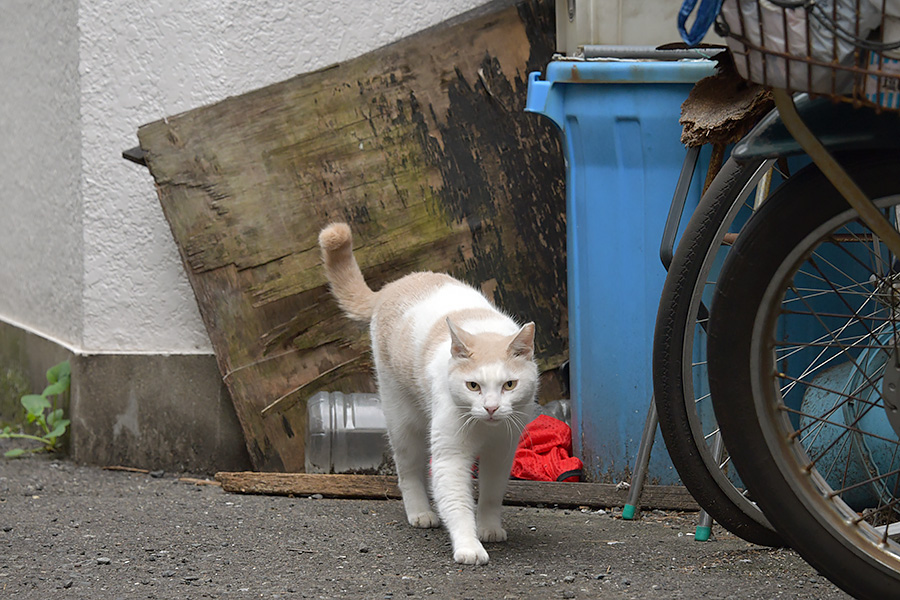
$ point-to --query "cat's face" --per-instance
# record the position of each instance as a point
(493, 378)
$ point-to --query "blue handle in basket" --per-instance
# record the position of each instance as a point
(706, 14)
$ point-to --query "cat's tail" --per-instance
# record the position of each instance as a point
(347, 283)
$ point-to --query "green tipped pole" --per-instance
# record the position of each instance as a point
(640, 466)
(702, 533)
(704, 527)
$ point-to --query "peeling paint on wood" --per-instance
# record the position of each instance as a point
(424, 147)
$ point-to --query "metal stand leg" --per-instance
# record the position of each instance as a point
(640, 467)
(704, 527)
(666, 251)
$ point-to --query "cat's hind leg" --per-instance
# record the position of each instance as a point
(407, 427)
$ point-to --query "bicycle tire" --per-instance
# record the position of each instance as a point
(674, 339)
(803, 249)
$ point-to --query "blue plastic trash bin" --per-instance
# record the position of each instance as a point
(622, 143)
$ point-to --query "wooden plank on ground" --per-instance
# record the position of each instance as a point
(424, 147)
(595, 495)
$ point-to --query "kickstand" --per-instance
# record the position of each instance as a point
(666, 252)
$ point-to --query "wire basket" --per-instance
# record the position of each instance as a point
(845, 49)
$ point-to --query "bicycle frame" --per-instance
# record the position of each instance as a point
(839, 126)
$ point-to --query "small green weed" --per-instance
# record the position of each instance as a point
(41, 411)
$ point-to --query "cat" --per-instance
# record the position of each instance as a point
(457, 381)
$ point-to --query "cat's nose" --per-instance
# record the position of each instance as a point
(491, 410)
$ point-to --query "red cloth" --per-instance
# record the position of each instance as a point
(545, 452)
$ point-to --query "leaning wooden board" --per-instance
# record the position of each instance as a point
(423, 146)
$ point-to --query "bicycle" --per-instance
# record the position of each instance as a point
(804, 367)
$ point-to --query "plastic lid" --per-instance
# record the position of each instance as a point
(629, 71)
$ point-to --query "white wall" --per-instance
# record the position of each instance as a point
(41, 253)
(77, 81)
(86, 257)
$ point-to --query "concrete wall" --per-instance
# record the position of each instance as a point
(174, 414)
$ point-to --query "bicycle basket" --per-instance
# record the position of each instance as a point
(846, 49)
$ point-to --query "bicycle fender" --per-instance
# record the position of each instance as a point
(838, 125)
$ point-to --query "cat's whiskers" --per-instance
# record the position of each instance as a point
(466, 425)
(519, 422)
(508, 423)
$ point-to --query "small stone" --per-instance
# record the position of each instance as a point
(157, 474)
(569, 579)
(103, 561)
(626, 581)
(316, 497)
(168, 574)
(363, 548)
(568, 594)
(7, 529)
(68, 584)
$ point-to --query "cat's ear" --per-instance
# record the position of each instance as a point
(522, 344)
(458, 337)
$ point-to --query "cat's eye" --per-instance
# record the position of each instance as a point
(510, 385)
(473, 386)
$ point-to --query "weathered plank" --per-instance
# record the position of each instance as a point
(424, 147)
(596, 495)
(305, 484)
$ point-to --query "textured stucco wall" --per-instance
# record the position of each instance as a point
(87, 257)
(40, 169)
(143, 60)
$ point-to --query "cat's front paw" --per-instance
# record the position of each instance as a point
(474, 554)
(491, 534)
(424, 520)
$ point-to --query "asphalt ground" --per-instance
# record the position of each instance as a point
(71, 531)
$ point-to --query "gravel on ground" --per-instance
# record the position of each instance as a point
(71, 531)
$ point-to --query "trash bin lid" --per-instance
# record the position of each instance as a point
(629, 71)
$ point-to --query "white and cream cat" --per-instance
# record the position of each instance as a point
(457, 381)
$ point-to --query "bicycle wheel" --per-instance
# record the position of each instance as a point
(803, 343)
(685, 410)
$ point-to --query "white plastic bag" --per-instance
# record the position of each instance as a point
(799, 34)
